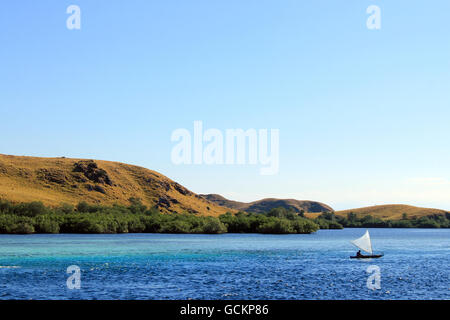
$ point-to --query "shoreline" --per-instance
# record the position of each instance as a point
(218, 234)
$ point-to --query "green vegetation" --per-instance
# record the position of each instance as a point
(327, 220)
(368, 221)
(276, 221)
(34, 217)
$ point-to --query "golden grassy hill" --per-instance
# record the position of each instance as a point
(392, 211)
(61, 180)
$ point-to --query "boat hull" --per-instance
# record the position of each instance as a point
(374, 256)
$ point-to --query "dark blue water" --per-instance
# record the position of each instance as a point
(416, 265)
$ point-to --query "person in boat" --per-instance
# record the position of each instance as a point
(358, 254)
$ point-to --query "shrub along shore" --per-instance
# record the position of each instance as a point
(34, 217)
(329, 220)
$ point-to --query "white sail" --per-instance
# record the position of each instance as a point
(364, 243)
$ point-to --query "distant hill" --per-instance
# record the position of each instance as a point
(265, 205)
(61, 180)
(221, 201)
(392, 211)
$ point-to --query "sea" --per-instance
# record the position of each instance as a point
(415, 265)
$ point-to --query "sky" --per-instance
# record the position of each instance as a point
(363, 115)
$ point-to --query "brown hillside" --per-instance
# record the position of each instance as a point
(266, 205)
(60, 180)
(392, 211)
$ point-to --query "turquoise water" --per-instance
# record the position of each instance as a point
(416, 265)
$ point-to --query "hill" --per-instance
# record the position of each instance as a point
(392, 211)
(62, 180)
(265, 205)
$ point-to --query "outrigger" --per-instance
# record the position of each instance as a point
(364, 244)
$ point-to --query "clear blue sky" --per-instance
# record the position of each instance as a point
(363, 114)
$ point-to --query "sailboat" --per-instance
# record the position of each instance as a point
(365, 244)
